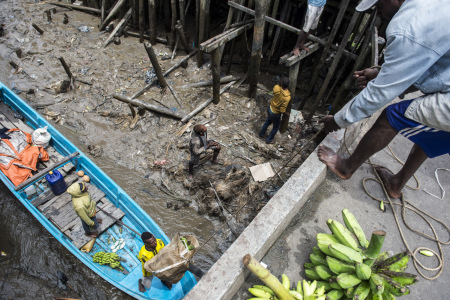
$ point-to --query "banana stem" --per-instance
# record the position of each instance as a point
(271, 281)
(376, 242)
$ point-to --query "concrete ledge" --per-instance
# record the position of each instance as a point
(228, 273)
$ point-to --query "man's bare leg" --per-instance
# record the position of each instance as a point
(378, 137)
(394, 183)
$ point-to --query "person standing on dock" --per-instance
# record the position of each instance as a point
(85, 208)
(198, 146)
(312, 17)
(151, 247)
(417, 56)
(277, 107)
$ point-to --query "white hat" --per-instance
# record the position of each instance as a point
(365, 5)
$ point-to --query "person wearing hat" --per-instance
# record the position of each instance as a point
(312, 17)
(85, 208)
(417, 56)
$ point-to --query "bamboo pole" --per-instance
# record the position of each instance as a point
(139, 93)
(152, 20)
(258, 39)
(118, 28)
(271, 281)
(141, 21)
(333, 66)
(111, 15)
(77, 7)
(205, 104)
(159, 109)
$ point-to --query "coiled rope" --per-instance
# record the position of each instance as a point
(404, 206)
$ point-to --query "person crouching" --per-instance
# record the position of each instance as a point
(198, 146)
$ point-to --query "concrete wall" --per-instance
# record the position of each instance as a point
(228, 273)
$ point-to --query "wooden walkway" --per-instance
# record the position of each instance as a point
(59, 209)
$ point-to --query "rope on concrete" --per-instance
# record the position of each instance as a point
(407, 205)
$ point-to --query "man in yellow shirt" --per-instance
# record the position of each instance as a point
(278, 105)
(151, 247)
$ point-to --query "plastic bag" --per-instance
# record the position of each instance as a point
(41, 137)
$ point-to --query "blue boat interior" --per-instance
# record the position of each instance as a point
(56, 213)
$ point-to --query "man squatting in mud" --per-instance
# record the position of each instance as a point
(417, 54)
(198, 145)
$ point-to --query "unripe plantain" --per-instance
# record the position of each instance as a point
(342, 234)
(347, 280)
(354, 227)
(337, 266)
(363, 271)
(345, 253)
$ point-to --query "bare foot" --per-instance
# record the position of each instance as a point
(100, 221)
(216, 161)
(141, 286)
(91, 235)
(389, 182)
(333, 161)
(190, 176)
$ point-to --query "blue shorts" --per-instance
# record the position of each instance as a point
(433, 141)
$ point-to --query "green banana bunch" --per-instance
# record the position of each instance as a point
(346, 265)
(104, 258)
(305, 290)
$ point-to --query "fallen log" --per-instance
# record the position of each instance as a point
(77, 7)
(159, 109)
(205, 104)
(224, 79)
(165, 74)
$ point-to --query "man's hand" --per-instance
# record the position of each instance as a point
(286, 114)
(298, 50)
(363, 77)
(329, 124)
(213, 145)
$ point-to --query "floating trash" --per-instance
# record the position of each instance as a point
(150, 75)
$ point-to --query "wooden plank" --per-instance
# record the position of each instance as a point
(217, 42)
(48, 195)
(9, 114)
(78, 237)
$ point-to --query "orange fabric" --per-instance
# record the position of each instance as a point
(28, 158)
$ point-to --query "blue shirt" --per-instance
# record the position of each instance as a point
(417, 53)
(317, 3)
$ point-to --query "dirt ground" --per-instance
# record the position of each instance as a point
(151, 147)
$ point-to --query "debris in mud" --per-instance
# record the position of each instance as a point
(59, 87)
(84, 28)
(95, 150)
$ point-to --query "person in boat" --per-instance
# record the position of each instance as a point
(312, 17)
(151, 247)
(277, 107)
(417, 56)
(198, 146)
(85, 208)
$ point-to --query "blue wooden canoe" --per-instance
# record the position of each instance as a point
(107, 193)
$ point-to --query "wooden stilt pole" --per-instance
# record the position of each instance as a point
(278, 31)
(274, 15)
(152, 20)
(182, 5)
(173, 24)
(111, 15)
(258, 38)
(154, 61)
(215, 58)
(118, 28)
(293, 75)
(201, 30)
(183, 39)
(141, 21)
(159, 109)
(103, 8)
